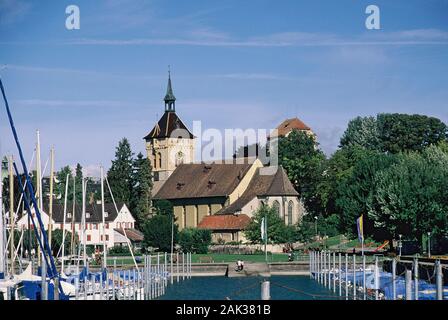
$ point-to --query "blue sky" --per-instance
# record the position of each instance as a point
(235, 64)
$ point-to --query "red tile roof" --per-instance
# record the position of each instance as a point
(290, 124)
(225, 222)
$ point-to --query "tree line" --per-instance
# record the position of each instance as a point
(391, 168)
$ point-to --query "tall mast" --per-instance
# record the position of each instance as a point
(50, 210)
(104, 220)
(72, 243)
(2, 248)
(63, 222)
(11, 213)
(84, 237)
(38, 190)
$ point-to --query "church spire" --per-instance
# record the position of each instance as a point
(169, 97)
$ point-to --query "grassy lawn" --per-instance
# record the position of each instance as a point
(336, 241)
(228, 258)
(217, 258)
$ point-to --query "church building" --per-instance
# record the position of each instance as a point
(220, 197)
(169, 143)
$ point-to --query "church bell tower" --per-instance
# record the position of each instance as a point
(169, 143)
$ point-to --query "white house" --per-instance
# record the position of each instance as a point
(113, 229)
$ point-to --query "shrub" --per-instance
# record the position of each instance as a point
(195, 240)
(119, 251)
(157, 233)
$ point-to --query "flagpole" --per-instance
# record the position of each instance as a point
(266, 237)
(362, 232)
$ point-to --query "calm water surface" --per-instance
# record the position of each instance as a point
(247, 288)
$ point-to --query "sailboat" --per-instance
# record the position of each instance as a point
(50, 281)
(51, 274)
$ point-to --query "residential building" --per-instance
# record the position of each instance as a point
(115, 222)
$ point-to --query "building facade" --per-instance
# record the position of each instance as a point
(113, 228)
(223, 197)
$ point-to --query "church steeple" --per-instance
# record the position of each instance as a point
(170, 99)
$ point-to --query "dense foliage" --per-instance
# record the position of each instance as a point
(195, 240)
(157, 233)
(277, 231)
(303, 161)
(56, 241)
(391, 168)
(161, 206)
(141, 191)
(120, 173)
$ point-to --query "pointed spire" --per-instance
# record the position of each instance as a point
(169, 97)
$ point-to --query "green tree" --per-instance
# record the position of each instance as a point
(61, 177)
(412, 196)
(162, 206)
(78, 183)
(306, 230)
(304, 164)
(141, 191)
(195, 240)
(56, 241)
(404, 132)
(157, 233)
(356, 192)
(120, 173)
(277, 231)
(361, 132)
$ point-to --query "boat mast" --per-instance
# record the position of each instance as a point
(104, 220)
(50, 210)
(2, 231)
(72, 243)
(11, 213)
(84, 237)
(43, 242)
(63, 222)
(38, 191)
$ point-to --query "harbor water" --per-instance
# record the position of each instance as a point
(247, 288)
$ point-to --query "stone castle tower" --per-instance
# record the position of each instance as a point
(169, 143)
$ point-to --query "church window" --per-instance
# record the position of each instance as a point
(290, 208)
(276, 206)
(160, 160)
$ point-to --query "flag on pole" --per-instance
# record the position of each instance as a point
(263, 229)
(359, 224)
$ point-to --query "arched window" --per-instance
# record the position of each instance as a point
(156, 160)
(290, 208)
(160, 160)
(276, 206)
